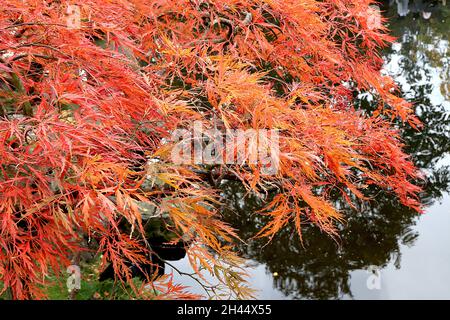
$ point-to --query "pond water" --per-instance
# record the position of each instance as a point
(386, 251)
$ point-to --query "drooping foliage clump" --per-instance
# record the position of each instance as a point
(87, 109)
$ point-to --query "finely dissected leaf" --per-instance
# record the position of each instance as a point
(85, 110)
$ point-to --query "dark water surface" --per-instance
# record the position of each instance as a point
(386, 251)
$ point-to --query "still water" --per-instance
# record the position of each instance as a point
(386, 251)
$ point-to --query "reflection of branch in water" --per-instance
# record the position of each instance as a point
(207, 288)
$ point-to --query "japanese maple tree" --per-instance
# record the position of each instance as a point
(88, 106)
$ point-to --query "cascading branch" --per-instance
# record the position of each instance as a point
(86, 108)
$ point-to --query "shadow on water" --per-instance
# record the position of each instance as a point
(376, 234)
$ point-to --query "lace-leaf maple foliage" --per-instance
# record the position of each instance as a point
(82, 110)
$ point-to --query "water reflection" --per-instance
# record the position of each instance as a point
(378, 234)
(423, 7)
(320, 268)
(420, 63)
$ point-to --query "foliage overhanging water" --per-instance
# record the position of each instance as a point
(408, 253)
